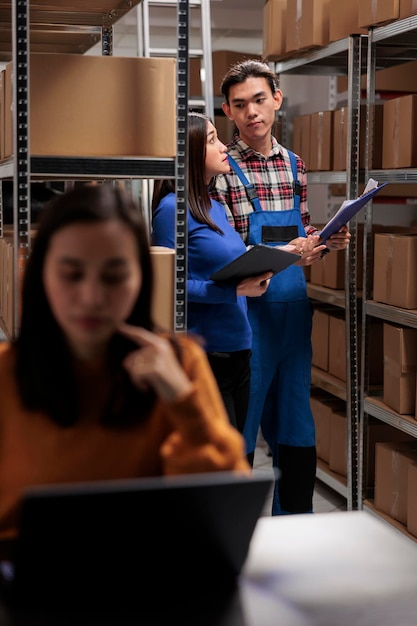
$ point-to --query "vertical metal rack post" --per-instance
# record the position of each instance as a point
(181, 169)
(21, 174)
(343, 57)
(351, 308)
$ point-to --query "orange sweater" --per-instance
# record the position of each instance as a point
(192, 434)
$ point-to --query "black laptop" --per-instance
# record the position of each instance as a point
(116, 543)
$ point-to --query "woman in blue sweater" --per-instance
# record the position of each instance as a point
(216, 312)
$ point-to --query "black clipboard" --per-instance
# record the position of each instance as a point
(346, 212)
(257, 260)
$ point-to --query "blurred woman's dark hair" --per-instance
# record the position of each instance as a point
(44, 366)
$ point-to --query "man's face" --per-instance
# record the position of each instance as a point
(252, 108)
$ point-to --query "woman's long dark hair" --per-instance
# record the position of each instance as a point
(199, 201)
(45, 376)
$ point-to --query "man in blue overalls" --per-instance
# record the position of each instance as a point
(266, 196)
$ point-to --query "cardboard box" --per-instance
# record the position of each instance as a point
(163, 307)
(2, 105)
(340, 136)
(301, 137)
(401, 77)
(379, 432)
(400, 366)
(338, 443)
(408, 8)
(333, 270)
(222, 61)
(322, 405)
(274, 14)
(330, 271)
(7, 285)
(7, 115)
(321, 145)
(391, 477)
(305, 140)
(195, 89)
(11, 282)
(343, 19)
(338, 348)
(296, 134)
(320, 339)
(395, 262)
(225, 128)
(307, 24)
(411, 499)
(84, 105)
(338, 431)
(377, 12)
(399, 143)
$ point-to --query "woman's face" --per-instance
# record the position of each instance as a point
(216, 154)
(92, 280)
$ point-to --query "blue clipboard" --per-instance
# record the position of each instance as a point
(346, 212)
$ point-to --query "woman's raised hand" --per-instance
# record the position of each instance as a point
(154, 364)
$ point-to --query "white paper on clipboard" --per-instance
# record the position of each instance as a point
(349, 209)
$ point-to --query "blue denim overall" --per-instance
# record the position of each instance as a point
(281, 364)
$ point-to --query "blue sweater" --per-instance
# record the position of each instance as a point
(214, 311)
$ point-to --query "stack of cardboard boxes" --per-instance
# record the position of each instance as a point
(291, 26)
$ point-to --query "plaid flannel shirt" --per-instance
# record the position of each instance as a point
(273, 181)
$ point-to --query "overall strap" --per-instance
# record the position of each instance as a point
(250, 189)
(296, 183)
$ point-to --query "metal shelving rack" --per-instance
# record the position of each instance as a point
(346, 56)
(45, 29)
(388, 46)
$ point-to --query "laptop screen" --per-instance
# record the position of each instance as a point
(118, 541)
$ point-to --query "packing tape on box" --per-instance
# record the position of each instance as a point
(297, 26)
(373, 10)
(395, 369)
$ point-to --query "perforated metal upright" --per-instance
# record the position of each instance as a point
(181, 168)
(21, 172)
(354, 452)
(343, 57)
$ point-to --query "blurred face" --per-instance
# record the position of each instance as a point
(216, 157)
(92, 280)
(252, 108)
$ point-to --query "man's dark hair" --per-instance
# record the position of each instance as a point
(250, 68)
